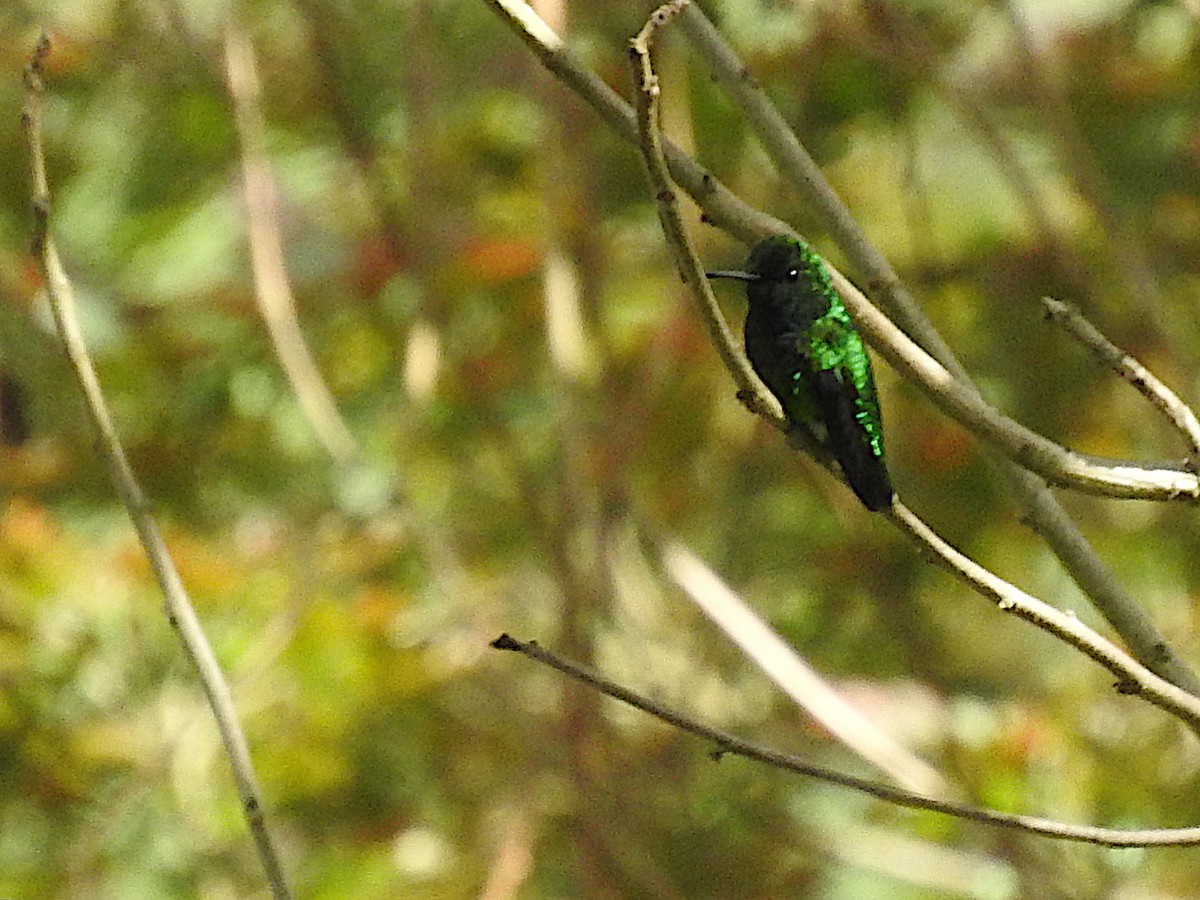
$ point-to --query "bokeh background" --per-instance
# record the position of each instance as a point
(479, 275)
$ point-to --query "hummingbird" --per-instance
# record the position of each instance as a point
(803, 344)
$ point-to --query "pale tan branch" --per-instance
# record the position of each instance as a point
(729, 745)
(271, 284)
(1134, 677)
(1161, 397)
(178, 604)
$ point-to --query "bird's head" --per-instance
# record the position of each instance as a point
(778, 269)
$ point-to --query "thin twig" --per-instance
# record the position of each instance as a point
(721, 206)
(687, 262)
(271, 285)
(1030, 450)
(1134, 678)
(728, 744)
(780, 662)
(1165, 400)
(178, 605)
(1041, 511)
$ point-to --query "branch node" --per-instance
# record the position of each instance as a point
(40, 207)
(506, 642)
(36, 66)
(1127, 687)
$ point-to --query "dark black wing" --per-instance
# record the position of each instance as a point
(849, 441)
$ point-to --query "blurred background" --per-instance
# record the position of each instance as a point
(495, 371)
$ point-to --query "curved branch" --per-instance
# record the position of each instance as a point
(721, 206)
(946, 384)
(271, 287)
(1134, 678)
(1041, 510)
(687, 262)
(728, 744)
(178, 605)
(960, 401)
(1161, 397)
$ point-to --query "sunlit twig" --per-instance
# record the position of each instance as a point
(178, 605)
(1134, 677)
(271, 284)
(1161, 397)
(1041, 511)
(795, 677)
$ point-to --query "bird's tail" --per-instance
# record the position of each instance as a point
(851, 444)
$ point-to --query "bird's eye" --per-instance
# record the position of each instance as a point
(792, 274)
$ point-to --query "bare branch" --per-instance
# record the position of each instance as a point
(728, 744)
(948, 387)
(1134, 677)
(1165, 400)
(271, 285)
(1112, 478)
(1041, 510)
(795, 677)
(960, 401)
(652, 148)
(178, 605)
(721, 206)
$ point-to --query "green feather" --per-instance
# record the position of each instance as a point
(804, 346)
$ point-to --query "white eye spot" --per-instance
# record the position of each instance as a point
(793, 274)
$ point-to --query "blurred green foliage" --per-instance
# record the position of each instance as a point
(439, 195)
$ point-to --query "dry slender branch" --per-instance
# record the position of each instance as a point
(721, 206)
(678, 241)
(178, 605)
(728, 744)
(271, 284)
(780, 662)
(1115, 478)
(1041, 511)
(1028, 449)
(949, 390)
(769, 652)
(1134, 677)
(1165, 400)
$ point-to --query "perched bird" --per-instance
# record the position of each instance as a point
(804, 346)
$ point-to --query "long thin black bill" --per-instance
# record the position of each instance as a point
(740, 276)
